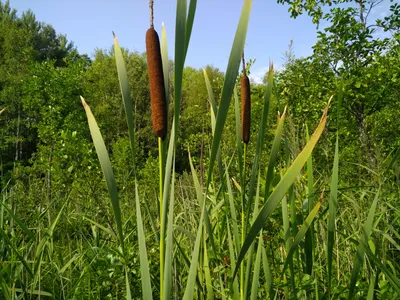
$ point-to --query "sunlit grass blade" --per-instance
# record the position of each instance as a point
(229, 83)
(105, 163)
(361, 246)
(105, 229)
(256, 274)
(3, 110)
(169, 242)
(373, 279)
(233, 213)
(152, 223)
(235, 285)
(288, 241)
(209, 285)
(189, 290)
(127, 284)
(189, 23)
(333, 204)
(144, 263)
(302, 231)
(308, 244)
(126, 95)
(282, 187)
(180, 49)
(267, 272)
(211, 98)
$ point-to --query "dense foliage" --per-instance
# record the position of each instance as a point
(58, 236)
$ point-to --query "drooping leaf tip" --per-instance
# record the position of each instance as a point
(83, 101)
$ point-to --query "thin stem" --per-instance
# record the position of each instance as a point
(160, 159)
(151, 3)
(243, 64)
(242, 296)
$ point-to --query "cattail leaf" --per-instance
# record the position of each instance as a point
(189, 23)
(232, 255)
(169, 243)
(180, 37)
(302, 232)
(229, 83)
(282, 188)
(359, 259)
(233, 213)
(256, 274)
(189, 290)
(126, 95)
(105, 163)
(213, 104)
(267, 273)
(371, 287)
(333, 205)
(308, 243)
(127, 284)
(144, 263)
(209, 285)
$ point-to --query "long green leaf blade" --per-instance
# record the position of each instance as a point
(189, 291)
(105, 163)
(333, 204)
(144, 263)
(126, 94)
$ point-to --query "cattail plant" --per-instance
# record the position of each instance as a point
(159, 117)
(156, 79)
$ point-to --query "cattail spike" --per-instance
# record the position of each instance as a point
(156, 79)
(246, 107)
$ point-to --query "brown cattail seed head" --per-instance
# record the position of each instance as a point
(246, 107)
(156, 79)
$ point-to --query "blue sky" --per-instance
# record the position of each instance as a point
(89, 24)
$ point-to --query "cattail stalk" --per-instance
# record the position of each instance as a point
(158, 117)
